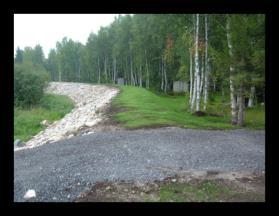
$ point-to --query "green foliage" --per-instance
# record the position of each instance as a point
(50, 107)
(29, 83)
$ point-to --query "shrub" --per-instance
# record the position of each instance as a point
(29, 83)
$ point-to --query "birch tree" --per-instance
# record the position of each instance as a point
(206, 80)
(99, 71)
(197, 71)
(233, 95)
(191, 75)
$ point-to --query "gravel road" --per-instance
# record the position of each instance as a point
(60, 171)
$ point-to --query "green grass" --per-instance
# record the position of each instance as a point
(206, 191)
(143, 108)
(51, 108)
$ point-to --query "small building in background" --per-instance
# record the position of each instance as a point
(120, 81)
(180, 86)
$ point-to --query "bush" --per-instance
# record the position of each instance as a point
(29, 83)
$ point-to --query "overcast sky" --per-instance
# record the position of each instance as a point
(47, 29)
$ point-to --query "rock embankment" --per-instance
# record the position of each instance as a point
(89, 101)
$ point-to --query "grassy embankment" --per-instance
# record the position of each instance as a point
(142, 108)
(51, 108)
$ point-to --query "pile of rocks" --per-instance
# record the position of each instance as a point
(88, 99)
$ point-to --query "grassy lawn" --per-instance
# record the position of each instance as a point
(51, 108)
(142, 108)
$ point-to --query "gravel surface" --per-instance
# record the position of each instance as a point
(60, 171)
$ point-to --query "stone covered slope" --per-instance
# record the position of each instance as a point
(88, 99)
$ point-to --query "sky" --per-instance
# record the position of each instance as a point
(47, 29)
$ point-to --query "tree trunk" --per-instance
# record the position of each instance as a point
(59, 72)
(194, 93)
(202, 75)
(147, 72)
(162, 74)
(132, 77)
(252, 97)
(206, 81)
(114, 70)
(197, 65)
(127, 69)
(99, 71)
(105, 69)
(191, 77)
(165, 73)
(140, 76)
(79, 72)
(241, 105)
(232, 72)
(136, 75)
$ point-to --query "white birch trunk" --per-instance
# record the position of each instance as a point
(147, 72)
(99, 71)
(162, 74)
(105, 66)
(59, 72)
(232, 71)
(79, 72)
(202, 75)
(115, 74)
(206, 80)
(194, 93)
(252, 97)
(165, 75)
(197, 72)
(241, 105)
(132, 77)
(191, 77)
(140, 76)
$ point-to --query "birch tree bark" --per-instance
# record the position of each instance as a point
(206, 80)
(241, 105)
(132, 77)
(165, 75)
(127, 69)
(79, 72)
(191, 76)
(162, 74)
(194, 93)
(202, 75)
(114, 70)
(99, 71)
(232, 73)
(252, 96)
(197, 72)
(147, 72)
(105, 68)
(140, 76)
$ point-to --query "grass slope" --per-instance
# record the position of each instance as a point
(142, 108)
(51, 108)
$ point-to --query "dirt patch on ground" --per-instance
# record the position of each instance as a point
(184, 187)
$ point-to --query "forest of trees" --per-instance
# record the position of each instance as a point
(211, 52)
